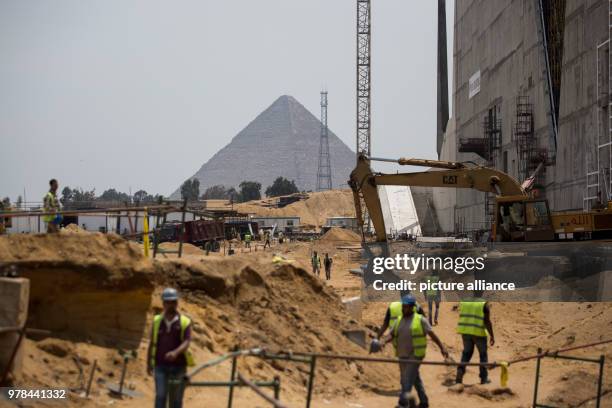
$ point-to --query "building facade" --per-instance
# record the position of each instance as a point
(530, 96)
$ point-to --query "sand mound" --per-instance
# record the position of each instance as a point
(72, 228)
(277, 307)
(188, 249)
(83, 286)
(312, 211)
(340, 235)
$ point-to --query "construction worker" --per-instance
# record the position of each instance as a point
(409, 337)
(247, 240)
(267, 238)
(433, 296)
(474, 322)
(327, 263)
(315, 261)
(51, 205)
(168, 355)
(393, 313)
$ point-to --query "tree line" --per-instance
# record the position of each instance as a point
(247, 190)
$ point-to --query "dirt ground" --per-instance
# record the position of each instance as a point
(270, 299)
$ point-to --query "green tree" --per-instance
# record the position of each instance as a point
(249, 190)
(113, 195)
(280, 187)
(217, 192)
(190, 189)
(67, 196)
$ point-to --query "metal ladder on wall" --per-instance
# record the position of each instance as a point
(595, 177)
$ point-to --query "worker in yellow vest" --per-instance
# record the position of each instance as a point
(168, 355)
(474, 323)
(393, 313)
(247, 240)
(433, 296)
(409, 337)
(51, 205)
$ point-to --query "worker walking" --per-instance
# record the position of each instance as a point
(474, 322)
(316, 264)
(51, 205)
(247, 240)
(433, 296)
(394, 313)
(267, 237)
(168, 355)
(409, 337)
(327, 263)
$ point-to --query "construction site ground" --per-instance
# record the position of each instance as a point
(96, 293)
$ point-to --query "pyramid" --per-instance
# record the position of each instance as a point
(283, 140)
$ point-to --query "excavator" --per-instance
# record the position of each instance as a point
(519, 216)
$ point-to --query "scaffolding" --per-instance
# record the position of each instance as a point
(488, 147)
(324, 176)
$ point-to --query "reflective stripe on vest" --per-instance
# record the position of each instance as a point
(430, 280)
(185, 322)
(471, 318)
(395, 313)
(419, 341)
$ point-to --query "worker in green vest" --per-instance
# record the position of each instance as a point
(247, 240)
(409, 337)
(474, 323)
(433, 296)
(394, 312)
(168, 355)
(51, 205)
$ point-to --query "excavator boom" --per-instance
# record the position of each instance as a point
(364, 183)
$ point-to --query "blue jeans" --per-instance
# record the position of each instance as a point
(165, 392)
(468, 350)
(409, 377)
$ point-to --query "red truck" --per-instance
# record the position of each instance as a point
(197, 232)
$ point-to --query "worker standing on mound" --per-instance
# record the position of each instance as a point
(315, 261)
(409, 337)
(51, 205)
(327, 262)
(247, 240)
(168, 355)
(474, 322)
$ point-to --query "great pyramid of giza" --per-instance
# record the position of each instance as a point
(283, 140)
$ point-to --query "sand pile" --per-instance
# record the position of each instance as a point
(258, 304)
(188, 249)
(312, 212)
(341, 235)
(83, 286)
(71, 229)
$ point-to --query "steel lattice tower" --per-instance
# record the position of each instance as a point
(324, 177)
(363, 76)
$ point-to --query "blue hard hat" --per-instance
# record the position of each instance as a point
(408, 300)
(169, 294)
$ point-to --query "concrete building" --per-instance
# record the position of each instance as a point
(285, 224)
(530, 86)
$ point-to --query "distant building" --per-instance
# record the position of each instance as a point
(341, 222)
(285, 224)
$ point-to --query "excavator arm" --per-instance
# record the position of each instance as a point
(364, 183)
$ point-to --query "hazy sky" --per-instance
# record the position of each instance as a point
(139, 94)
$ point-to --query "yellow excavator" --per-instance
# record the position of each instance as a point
(518, 216)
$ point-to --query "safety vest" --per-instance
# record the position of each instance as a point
(185, 321)
(51, 204)
(432, 279)
(471, 318)
(419, 341)
(395, 313)
(247, 237)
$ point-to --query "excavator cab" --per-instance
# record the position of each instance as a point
(518, 218)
